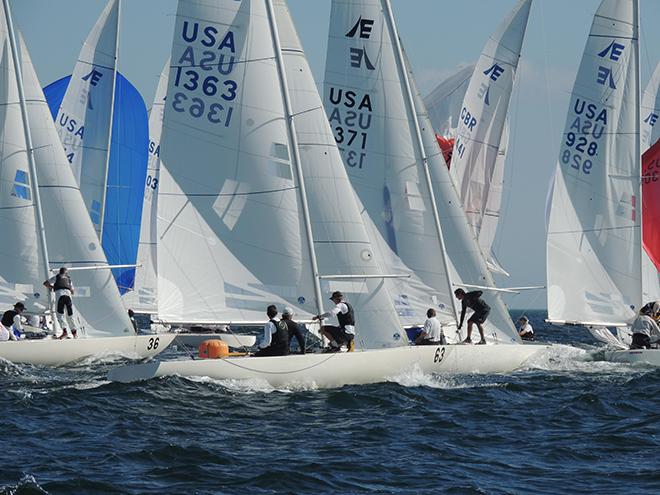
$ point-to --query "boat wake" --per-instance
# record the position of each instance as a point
(588, 360)
(27, 484)
(250, 386)
(415, 377)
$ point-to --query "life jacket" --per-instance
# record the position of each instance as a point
(8, 317)
(62, 281)
(346, 318)
(280, 339)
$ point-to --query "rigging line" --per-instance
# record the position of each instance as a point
(312, 366)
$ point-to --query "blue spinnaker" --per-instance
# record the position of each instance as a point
(127, 172)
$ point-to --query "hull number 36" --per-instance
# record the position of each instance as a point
(153, 343)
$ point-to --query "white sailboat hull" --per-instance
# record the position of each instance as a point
(635, 356)
(53, 352)
(338, 369)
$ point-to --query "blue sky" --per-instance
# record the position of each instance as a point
(438, 35)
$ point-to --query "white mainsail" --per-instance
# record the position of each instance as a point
(84, 119)
(482, 119)
(375, 126)
(444, 103)
(651, 111)
(233, 237)
(594, 235)
(143, 298)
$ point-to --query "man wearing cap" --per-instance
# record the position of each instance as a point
(525, 331)
(645, 330)
(11, 323)
(294, 329)
(345, 332)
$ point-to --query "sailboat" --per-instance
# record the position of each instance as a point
(102, 122)
(35, 172)
(594, 242)
(258, 208)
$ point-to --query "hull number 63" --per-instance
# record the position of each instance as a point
(439, 355)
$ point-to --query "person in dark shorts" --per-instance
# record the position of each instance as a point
(294, 329)
(345, 332)
(481, 310)
(645, 330)
(63, 287)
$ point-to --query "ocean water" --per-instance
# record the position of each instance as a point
(564, 424)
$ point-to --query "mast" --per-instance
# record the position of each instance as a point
(638, 150)
(112, 111)
(43, 246)
(293, 142)
(394, 35)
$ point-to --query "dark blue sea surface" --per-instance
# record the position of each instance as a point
(564, 424)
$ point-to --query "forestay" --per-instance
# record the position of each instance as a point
(594, 236)
(70, 234)
(85, 116)
(143, 297)
(480, 137)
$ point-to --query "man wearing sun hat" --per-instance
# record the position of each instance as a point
(345, 332)
(294, 329)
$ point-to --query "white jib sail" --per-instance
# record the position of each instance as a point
(482, 120)
(84, 119)
(71, 238)
(144, 296)
(594, 235)
(444, 103)
(341, 241)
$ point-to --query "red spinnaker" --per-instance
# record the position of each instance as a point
(447, 147)
(651, 203)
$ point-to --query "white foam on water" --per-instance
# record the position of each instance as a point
(252, 385)
(27, 483)
(560, 357)
(415, 377)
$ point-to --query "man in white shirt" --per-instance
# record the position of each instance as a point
(11, 323)
(432, 333)
(63, 287)
(525, 331)
(345, 332)
(275, 341)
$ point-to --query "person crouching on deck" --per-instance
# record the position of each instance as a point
(345, 332)
(11, 327)
(481, 310)
(645, 330)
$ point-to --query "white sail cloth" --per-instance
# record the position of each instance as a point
(594, 234)
(651, 111)
(373, 124)
(84, 119)
(144, 296)
(482, 120)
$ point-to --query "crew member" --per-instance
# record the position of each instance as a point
(432, 333)
(63, 287)
(276, 336)
(481, 310)
(294, 329)
(645, 330)
(525, 331)
(345, 332)
(11, 327)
